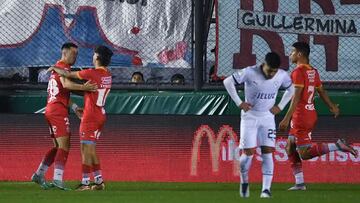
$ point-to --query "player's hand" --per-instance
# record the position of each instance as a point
(284, 124)
(335, 110)
(245, 106)
(79, 112)
(275, 110)
(60, 71)
(91, 87)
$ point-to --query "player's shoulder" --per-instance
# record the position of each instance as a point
(251, 69)
(282, 71)
(61, 64)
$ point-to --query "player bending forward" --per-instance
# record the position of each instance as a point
(257, 127)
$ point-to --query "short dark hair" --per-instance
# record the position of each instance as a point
(302, 47)
(177, 79)
(138, 73)
(272, 59)
(105, 55)
(68, 45)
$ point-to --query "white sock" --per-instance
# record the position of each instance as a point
(332, 147)
(98, 179)
(267, 170)
(299, 178)
(245, 163)
(42, 169)
(58, 174)
(85, 181)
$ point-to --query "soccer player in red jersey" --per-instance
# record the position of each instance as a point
(94, 117)
(303, 115)
(56, 114)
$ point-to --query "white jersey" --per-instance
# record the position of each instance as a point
(261, 92)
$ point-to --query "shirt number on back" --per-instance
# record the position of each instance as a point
(102, 94)
(52, 89)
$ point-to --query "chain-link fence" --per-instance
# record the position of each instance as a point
(153, 39)
(248, 29)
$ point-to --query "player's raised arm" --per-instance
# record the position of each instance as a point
(64, 73)
(294, 102)
(324, 96)
(70, 85)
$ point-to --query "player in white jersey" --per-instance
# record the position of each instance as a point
(257, 127)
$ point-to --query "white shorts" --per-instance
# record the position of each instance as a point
(257, 129)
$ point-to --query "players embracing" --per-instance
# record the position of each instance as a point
(94, 116)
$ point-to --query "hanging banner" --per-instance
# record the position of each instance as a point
(342, 25)
(249, 29)
(141, 33)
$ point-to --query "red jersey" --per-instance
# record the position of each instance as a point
(307, 77)
(58, 96)
(95, 101)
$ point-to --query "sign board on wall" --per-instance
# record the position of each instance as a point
(248, 29)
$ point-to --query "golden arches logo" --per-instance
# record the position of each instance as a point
(215, 146)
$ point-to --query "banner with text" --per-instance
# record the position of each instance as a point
(249, 29)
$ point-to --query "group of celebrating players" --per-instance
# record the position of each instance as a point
(95, 90)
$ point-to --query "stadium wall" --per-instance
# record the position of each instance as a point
(166, 147)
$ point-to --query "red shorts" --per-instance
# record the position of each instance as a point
(91, 130)
(302, 129)
(59, 125)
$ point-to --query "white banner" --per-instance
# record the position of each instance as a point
(341, 25)
(153, 33)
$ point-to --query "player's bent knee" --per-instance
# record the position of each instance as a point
(304, 154)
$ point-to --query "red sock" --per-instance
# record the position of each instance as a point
(85, 169)
(318, 149)
(50, 156)
(96, 169)
(295, 161)
(61, 158)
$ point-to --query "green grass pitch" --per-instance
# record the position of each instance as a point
(128, 192)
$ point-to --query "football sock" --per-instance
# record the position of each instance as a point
(97, 174)
(319, 149)
(245, 163)
(60, 161)
(46, 162)
(332, 147)
(296, 166)
(86, 170)
(267, 170)
(299, 178)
